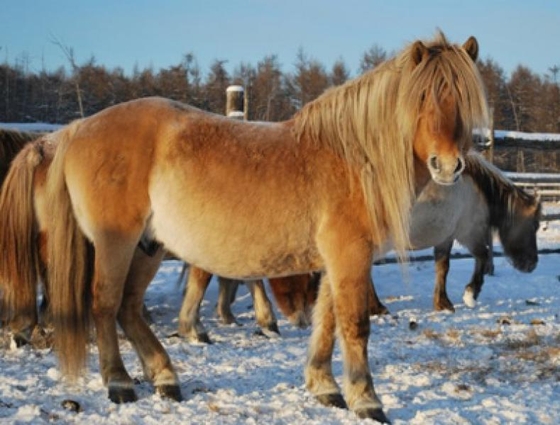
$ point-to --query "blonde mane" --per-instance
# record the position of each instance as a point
(370, 121)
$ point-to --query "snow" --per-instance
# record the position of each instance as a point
(38, 127)
(506, 134)
(496, 363)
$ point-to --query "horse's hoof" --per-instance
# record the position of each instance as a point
(120, 395)
(444, 306)
(270, 331)
(21, 340)
(71, 405)
(373, 413)
(172, 392)
(195, 338)
(299, 320)
(469, 298)
(332, 400)
(379, 311)
(202, 338)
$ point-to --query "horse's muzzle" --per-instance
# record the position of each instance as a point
(445, 172)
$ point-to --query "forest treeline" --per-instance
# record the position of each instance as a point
(523, 101)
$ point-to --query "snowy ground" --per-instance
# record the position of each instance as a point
(497, 363)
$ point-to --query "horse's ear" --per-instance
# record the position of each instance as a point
(471, 47)
(418, 51)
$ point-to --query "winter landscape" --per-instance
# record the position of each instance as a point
(496, 363)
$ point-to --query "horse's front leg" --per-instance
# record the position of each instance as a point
(472, 290)
(189, 318)
(318, 371)
(489, 267)
(264, 312)
(376, 307)
(442, 253)
(348, 258)
(155, 361)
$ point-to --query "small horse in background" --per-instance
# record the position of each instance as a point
(318, 192)
(23, 238)
(11, 143)
(294, 295)
(190, 325)
(483, 201)
(495, 204)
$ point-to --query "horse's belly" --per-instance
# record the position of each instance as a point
(234, 243)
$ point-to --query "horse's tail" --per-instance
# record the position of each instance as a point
(19, 261)
(68, 269)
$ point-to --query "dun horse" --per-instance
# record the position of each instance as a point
(11, 143)
(321, 191)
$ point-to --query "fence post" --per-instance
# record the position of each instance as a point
(235, 100)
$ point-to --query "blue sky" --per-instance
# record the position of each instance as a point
(125, 33)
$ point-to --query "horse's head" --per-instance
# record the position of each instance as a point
(518, 235)
(450, 103)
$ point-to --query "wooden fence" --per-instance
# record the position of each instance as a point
(546, 185)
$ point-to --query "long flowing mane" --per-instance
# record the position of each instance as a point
(504, 198)
(371, 122)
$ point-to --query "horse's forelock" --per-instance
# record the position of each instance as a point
(446, 72)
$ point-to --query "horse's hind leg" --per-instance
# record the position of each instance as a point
(155, 361)
(113, 257)
(441, 258)
(189, 318)
(263, 308)
(226, 296)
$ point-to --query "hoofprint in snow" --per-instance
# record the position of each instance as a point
(496, 363)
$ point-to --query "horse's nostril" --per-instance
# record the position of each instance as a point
(434, 163)
(460, 166)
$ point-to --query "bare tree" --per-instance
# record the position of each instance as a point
(69, 53)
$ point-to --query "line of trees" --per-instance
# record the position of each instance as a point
(523, 102)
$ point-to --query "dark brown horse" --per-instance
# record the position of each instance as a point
(11, 142)
(246, 200)
(295, 296)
